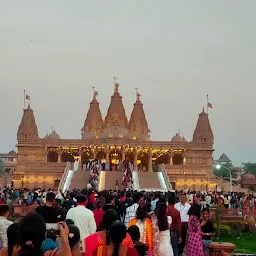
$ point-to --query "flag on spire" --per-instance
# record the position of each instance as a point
(209, 105)
(28, 97)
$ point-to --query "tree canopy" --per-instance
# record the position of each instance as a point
(223, 172)
(249, 167)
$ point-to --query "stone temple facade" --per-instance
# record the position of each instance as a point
(41, 161)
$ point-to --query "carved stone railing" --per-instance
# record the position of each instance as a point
(219, 249)
(161, 168)
(22, 210)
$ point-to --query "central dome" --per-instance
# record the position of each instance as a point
(114, 131)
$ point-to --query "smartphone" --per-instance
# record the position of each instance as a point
(52, 229)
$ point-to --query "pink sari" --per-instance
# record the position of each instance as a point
(194, 243)
(95, 240)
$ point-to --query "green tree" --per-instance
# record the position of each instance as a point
(249, 167)
(223, 172)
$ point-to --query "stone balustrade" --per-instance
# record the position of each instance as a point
(221, 249)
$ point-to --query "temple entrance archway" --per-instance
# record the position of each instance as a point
(67, 156)
(177, 158)
(52, 157)
(115, 159)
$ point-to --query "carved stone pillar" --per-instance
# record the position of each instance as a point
(135, 164)
(123, 155)
(80, 153)
(107, 166)
(150, 169)
(59, 152)
(184, 158)
(171, 157)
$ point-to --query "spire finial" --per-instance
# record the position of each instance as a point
(137, 94)
(116, 84)
(95, 93)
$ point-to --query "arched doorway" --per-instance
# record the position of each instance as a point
(115, 159)
(67, 157)
(52, 157)
(177, 158)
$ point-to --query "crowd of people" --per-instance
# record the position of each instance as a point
(94, 168)
(109, 223)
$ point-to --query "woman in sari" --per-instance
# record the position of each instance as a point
(117, 233)
(143, 222)
(194, 243)
(101, 238)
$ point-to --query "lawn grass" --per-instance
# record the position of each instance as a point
(246, 243)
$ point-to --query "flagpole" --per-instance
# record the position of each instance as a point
(24, 99)
(207, 104)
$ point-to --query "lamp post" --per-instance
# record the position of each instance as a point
(218, 166)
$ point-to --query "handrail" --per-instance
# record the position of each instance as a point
(166, 177)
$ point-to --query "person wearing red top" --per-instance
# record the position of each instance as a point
(98, 212)
(176, 224)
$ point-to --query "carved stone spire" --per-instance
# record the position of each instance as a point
(138, 125)
(93, 123)
(28, 129)
(203, 132)
(116, 112)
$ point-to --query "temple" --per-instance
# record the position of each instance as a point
(187, 164)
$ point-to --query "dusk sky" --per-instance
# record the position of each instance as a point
(175, 52)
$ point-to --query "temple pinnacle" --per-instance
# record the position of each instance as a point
(95, 93)
(116, 84)
(137, 95)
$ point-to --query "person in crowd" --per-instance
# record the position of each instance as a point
(175, 228)
(83, 218)
(194, 243)
(233, 202)
(183, 207)
(126, 201)
(226, 201)
(58, 239)
(138, 199)
(31, 234)
(4, 224)
(163, 245)
(141, 248)
(101, 237)
(61, 212)
(47, 211)
(98, 212)
(74, 240)
(13, 244)
(144, 224)
(36, 204)
(110, 202)
(156, 199)
(117, 233)
(207, 229)
(69, 203)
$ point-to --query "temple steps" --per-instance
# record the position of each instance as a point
(108, 180)
(79, 180)
(149, 180)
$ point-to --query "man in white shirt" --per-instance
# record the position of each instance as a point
(83, 218)
(131, 211)
(183, 207)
